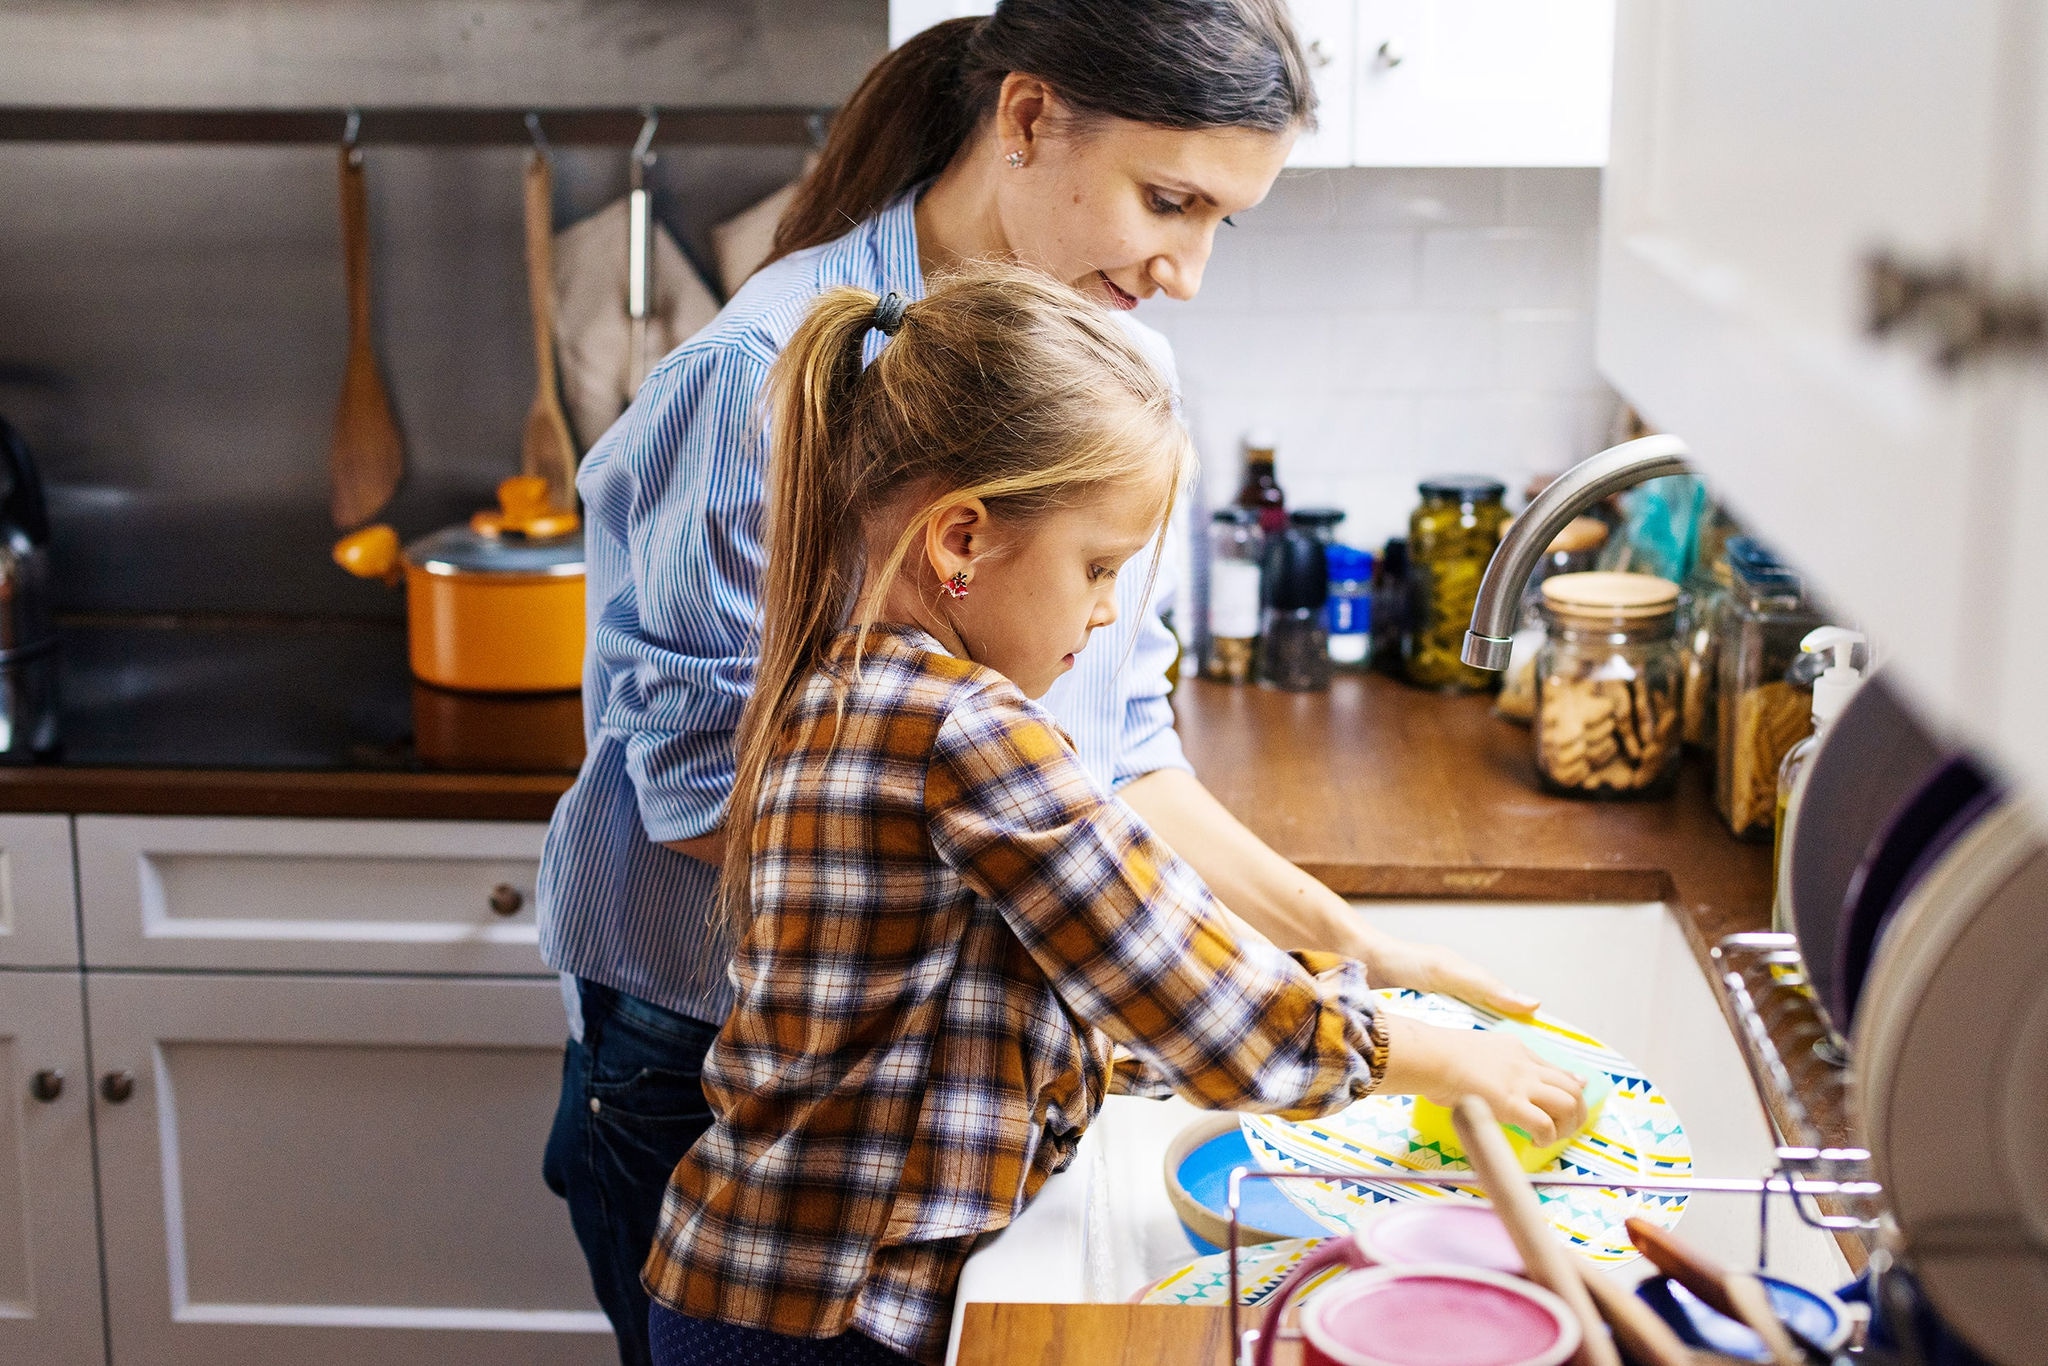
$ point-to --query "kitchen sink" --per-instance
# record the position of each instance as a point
(1102, 1230)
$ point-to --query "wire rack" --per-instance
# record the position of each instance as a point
(1770, 998)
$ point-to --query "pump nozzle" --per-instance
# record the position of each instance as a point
(1839, 681)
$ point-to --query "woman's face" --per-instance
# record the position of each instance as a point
(1121, 210)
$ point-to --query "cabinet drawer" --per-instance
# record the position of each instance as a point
(364, 896)
(38, 899)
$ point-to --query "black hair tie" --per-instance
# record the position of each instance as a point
(889, 313)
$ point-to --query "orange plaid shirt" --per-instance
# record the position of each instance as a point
(951, 924)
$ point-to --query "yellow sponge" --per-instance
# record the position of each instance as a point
(1432, 1122)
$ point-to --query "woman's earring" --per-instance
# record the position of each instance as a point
(956, 587)
(1016, 159)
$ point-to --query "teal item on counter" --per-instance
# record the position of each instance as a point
(1662, 533)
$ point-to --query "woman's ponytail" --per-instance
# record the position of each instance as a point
(901, 127)
(1165, 63)
(814, 550)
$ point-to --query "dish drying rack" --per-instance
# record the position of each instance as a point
(1763, 981)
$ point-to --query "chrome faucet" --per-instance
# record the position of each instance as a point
(1499, 605)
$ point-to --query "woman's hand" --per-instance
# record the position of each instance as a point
(1391, 962)
(1539, 1097)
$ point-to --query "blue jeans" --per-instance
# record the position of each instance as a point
(632, 1104)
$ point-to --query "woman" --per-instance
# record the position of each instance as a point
(1099, 141)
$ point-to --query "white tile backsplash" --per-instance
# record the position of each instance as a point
(1387, 325)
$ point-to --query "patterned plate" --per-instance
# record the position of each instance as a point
(1638, 1134)
(1206, 1280)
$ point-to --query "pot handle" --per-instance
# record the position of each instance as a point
(371, 553)
(1346, 1250)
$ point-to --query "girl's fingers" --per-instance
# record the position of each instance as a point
(1563, 1080)
(1531, 1120)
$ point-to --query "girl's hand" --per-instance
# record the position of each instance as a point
(1391, 962)
(1539, 1097)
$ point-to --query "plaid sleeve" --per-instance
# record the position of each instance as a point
(1126, 932)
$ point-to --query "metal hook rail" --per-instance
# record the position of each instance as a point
(423, 126)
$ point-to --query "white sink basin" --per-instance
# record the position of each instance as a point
(1102, 1230)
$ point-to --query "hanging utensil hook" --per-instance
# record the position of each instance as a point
(351, 129)
(540, 139)
(643, 146)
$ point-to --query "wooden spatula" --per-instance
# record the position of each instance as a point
(368, 455)
(547, 450)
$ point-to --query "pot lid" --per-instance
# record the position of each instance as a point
(523, 535)
(464, 550)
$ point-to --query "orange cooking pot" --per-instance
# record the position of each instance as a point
(494, 606)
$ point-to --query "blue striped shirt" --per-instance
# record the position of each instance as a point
(673, 500)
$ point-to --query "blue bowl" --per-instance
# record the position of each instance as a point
(1814, 1314)
(1200, 1186)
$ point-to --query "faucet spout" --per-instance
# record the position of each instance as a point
(1494, 615)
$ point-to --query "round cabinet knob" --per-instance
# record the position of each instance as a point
(1319, 54)
(117, 1086)
(47, 1084)
(1390, 55)
(507, 899)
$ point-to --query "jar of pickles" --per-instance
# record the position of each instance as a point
(1608, 686)
(1450, 539)
(1759, 715)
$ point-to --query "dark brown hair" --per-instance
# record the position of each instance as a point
(1169, 63)
(999, 384)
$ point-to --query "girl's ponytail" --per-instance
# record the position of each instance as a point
(814, 550)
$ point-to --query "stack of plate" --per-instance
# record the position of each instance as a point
(1951, 1049)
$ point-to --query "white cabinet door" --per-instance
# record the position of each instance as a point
(1763, 152)
(319, 895)
(49, 1257)
(1483, 82)
(1329, 32)
(38, 898)
(335, 1170)
(910, 17)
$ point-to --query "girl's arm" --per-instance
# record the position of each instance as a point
(1291, 908)
(1133, 942)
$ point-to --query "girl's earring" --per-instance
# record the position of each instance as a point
(956, 587)
(1016, 159)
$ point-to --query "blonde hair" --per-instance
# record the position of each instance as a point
(1001, 385)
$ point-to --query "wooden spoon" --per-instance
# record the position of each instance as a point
(547, 450)
(368, 454)
(1544, 1258)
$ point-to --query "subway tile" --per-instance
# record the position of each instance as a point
(1301, 198)
(1272, 351)
(1551, 197)
(1546, 348)
(1507, 268)
(1338, 270)
(1368, 197)
(1418, 350)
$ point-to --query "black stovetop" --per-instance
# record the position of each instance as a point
(278, 694)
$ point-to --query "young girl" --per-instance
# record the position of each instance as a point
(943, 924)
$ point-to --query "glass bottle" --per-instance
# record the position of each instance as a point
(1236, 550)
(1608, 686)
(1261, 490)
(1390, 605)
(1759, 715)
(1451, 536)
(1294, 644)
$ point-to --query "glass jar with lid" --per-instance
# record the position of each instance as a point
(1759, 715)
(1236, 552)
(1572, 551)
(1608, 686)
(1451, 536)
(1294, 642)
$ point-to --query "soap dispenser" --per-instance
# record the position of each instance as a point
(1832, 689)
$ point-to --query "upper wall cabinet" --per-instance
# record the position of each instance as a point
(1816, 217)
(1432, 82)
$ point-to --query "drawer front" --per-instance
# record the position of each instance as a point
(312, 895)
(38, 898)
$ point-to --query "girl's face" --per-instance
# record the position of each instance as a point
(1036, 595)
(1121, 210)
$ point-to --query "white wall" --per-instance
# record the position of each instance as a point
(1390, 324)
